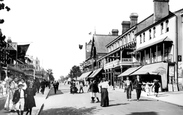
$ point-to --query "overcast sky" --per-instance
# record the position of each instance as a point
(55, 28)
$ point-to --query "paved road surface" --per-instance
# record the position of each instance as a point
(65, 103)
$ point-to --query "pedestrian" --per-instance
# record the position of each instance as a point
(128, 88)
(156, 87)
(43, 84)
(81, 87)
(93, 89)
(138, 87)
(18, 99)
(30, 101)
(104, 93)
(11, 87)
(55, 86)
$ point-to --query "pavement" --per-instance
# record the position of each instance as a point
(169, 97)
(65, 103)
(39, 98)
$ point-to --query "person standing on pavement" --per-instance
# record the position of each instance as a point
(30, 92)
(156, 86)
(81, 87)
(43, 85)
(93, 89)
(19, 99)
(104, 93)
(138, 87)
(128, 88)
(55, 86)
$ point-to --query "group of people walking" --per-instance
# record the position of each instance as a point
(20, 95)
(129, 86)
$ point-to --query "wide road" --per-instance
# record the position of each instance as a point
(65, 103)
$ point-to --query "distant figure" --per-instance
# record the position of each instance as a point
(81, 87)
(138, 87)
(43, 85)
(55, 86)
(57, 83)
(128, 88)
(156, 86)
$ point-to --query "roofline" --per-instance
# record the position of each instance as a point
(156, 23)
(133, 27)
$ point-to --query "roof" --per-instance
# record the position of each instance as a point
(101, 41)
(149, 22)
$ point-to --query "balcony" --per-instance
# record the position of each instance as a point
(126, 61)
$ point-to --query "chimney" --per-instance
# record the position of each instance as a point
(125, 26)
(161, 9)
(115, 32)
(133, 19)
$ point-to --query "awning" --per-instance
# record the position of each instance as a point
(166, 39)
(95, 72)
(129, 71)
(155, 69)
(84, 75)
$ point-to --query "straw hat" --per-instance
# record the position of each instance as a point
(20, 84)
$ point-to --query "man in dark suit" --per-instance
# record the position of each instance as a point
(138, 87)
(19, 99)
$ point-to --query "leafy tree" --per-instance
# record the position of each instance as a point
(75, 72)
(50, 74)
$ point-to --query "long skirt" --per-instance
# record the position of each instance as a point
(104, 97)
(9, 103)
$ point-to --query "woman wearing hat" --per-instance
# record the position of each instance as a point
(104, 93)
(156, 86)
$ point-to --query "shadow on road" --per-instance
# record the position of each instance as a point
(143, 113)
(51, 93)
(118, 104)
(69, 111)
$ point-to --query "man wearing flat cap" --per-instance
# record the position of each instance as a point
(19, 99)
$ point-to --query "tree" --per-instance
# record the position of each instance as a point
(50, 75)
(75, 72)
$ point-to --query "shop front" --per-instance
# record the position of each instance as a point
(160, 71)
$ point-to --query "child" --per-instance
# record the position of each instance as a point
(19, 99)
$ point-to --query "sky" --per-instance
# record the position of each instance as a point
(55, 28)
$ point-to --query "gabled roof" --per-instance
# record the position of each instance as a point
(101, 41)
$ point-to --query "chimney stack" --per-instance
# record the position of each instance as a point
(115, 32)
(125, 26)
(161, 9)
(133, 19)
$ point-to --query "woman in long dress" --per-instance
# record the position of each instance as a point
(11, 86)
(29, 100)
(104, 93)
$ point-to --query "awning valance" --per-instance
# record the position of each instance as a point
(129, 71)
(84, 75)
(13, 68)
(95, 72)
(166, 39)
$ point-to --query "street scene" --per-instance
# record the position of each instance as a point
(91, 57)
